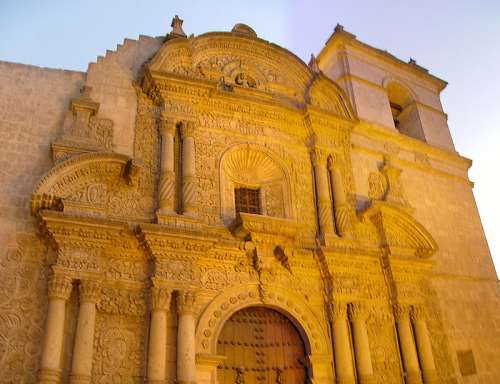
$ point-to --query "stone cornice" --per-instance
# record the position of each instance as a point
(178, 241)
(343, 38)
(86, 232)
(376, 132)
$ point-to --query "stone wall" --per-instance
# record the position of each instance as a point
(33, 104)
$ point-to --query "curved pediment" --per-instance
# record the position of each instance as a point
(328, 96)
(96, 184)
(238, 62)
(403, 233)
(242, 60)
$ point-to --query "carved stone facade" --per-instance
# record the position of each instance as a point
(132, 260)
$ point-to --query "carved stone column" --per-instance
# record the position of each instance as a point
(167, 177)
(358, 314)
(407, 344)
(342, 345)
(189, 185)
(341, 206)
(59, 290)
(160, 304)
(81, 368)
(322, 194)
(424, 346)
(186, 344)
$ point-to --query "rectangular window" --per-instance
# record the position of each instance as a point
(247, 200)
(466, 362)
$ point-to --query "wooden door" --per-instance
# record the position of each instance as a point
(262, 347)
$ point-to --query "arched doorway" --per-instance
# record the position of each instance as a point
(261, 346)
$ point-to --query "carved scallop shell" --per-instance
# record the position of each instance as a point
(250, 166)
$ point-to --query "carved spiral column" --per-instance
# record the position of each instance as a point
(167, 177)
(189, 186)
(186, 343)
(322, 193)
(424, 345)
(81, 368)
(59, 290)
(342, 209)
(342, 344)
(157, 353)
(358, 314)
(407, 344)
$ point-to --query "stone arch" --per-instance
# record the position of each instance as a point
(404, 110)
(252, 165)
(294, 307)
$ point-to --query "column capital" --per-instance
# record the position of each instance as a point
(418, 313)
(59, 286)
(339, 310)
(185, 302)
(401, 312)
(358, 310)
(90, 291)
(318, 157)
(187, 129)
(160, 298)
(167, 125)
(334, 162)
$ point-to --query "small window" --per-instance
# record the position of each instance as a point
(247, 200)
(396, 109)
(466, 362)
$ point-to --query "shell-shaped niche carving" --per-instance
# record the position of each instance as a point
(251, 167)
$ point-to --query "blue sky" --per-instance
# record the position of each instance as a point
(458, 41)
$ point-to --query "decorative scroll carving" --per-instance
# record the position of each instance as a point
(121, 301)
(119, 349)
(160, 298)
(339, 310)
(60, 287)
(90, 290)
(83, 131)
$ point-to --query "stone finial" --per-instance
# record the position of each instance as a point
(339, 28)
(313, 64)
(176, 28)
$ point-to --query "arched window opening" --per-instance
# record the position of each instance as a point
(404, 111)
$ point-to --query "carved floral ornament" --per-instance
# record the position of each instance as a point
(240, 60)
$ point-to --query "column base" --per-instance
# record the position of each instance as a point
(49, 376)
(80, 379)
(366, 379)
(413, 377)
(341, 380)
(430, 377)
(151, 381)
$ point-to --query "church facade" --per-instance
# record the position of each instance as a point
(210, 209)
